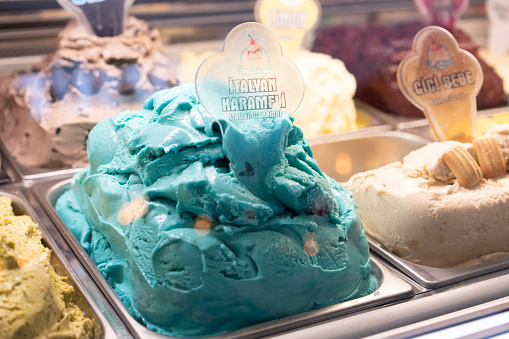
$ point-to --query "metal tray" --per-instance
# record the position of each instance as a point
(340, 157)
(369, 151)
(425, 130)
(432, 277)
(397, 121)
(392, 288)
(8, 172)
(428, 306)
(81, 298)
(407, 123)
(480, 321)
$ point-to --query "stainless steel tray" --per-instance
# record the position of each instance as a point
(392, 288)
(81, 297)
(432, 277)
(435, 303)
(372, 150)
(340, 157)
(8, 172)
(38, 173)
(480, 321)
(367, 119)
(425, 130)
(398, 121)
(405, 123)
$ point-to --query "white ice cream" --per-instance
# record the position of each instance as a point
(328, 104)
(419, 211)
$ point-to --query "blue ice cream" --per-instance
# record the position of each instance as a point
(187, 247)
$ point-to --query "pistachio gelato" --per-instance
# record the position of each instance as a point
(35, 302)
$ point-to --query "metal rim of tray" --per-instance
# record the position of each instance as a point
(432, 277)
(7, 166)
(392, 287)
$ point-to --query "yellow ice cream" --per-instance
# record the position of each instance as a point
(35, 302)
(484, 123)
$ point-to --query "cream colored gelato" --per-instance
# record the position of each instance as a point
(35, 302)
(327, 105)
(418, 210)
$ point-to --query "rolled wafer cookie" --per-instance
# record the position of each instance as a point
(463, 166)
(490, 156)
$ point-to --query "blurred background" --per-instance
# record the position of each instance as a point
(31, 27)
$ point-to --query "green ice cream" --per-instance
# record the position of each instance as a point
(189, 248)
(35, 302)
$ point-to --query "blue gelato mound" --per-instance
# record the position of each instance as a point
(187, 247)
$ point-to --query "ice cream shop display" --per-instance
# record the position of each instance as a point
(232, 169)
(229, 156)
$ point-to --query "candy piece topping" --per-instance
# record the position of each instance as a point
(132, 210)
(490, 156)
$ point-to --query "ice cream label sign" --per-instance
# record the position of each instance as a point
(250, 89)
(250, 79)
(443, 13)
(290, 20)
(498, 14)
(442, 80)
(99, 17)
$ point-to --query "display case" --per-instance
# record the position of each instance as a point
(411, 299)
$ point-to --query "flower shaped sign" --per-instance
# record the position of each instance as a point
(99, 17)
(250, 79)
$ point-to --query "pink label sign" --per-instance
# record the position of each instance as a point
(442, 13)
(99, 17)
